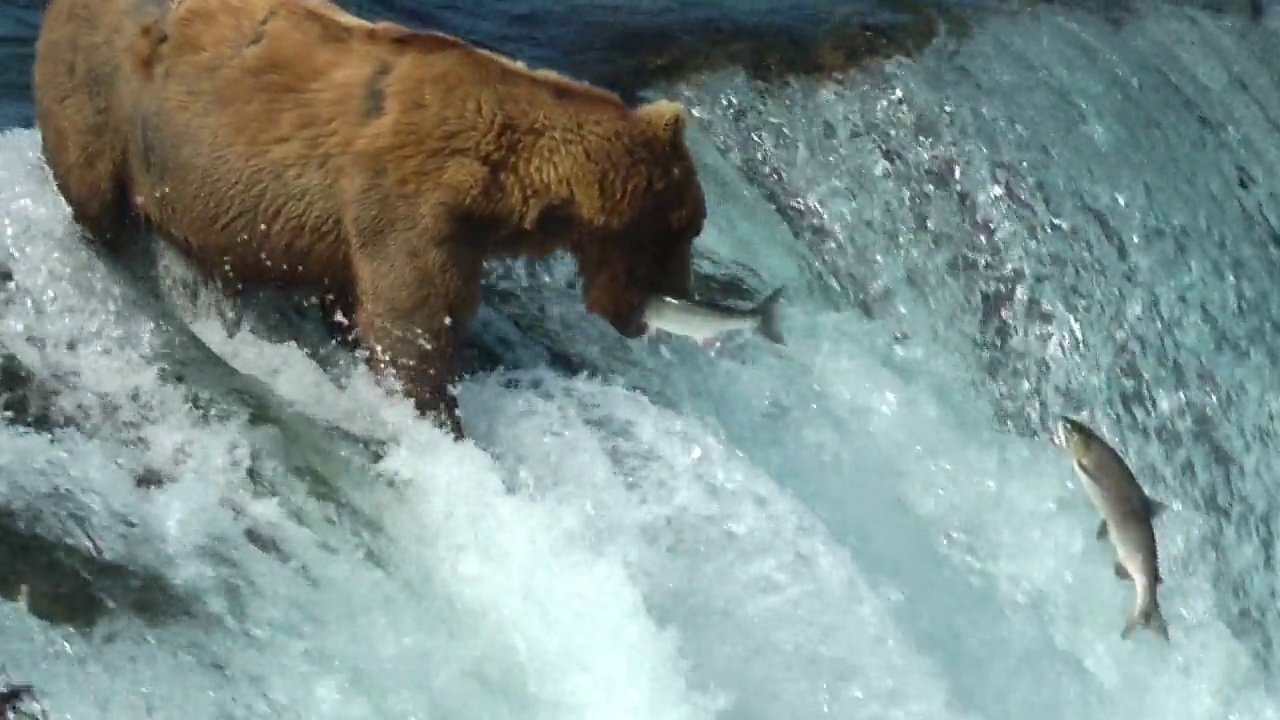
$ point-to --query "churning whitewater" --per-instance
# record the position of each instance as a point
(1055, 215)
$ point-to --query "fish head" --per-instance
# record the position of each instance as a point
(1076, 437)
(656, 309)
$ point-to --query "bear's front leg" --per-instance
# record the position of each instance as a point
(417, 279)
(413, 306)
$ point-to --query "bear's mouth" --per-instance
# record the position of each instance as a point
(633, 327)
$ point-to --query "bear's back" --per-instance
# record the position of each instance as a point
(432, 52)
(313, 43)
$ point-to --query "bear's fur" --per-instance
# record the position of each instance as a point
(289, 142)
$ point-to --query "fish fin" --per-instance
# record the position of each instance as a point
(768, 311)
(1151, 619)
(1155, 507)
(1102, 530)
(1120, 571)
(1156, 624)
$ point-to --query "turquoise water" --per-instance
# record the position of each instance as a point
(1056, 214)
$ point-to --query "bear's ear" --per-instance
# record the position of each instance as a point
(667, 117)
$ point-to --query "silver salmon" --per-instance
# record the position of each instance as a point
(705, 323)
(1127, 519)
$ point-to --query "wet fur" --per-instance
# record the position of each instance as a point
(289, 142)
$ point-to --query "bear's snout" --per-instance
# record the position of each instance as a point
(627, 319)
(633, 327)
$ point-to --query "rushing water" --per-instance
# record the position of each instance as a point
(216, 515)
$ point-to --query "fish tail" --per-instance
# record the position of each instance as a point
(1148, 617)
(768, 311)
(1156, 624)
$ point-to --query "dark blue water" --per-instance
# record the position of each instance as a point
(1071, 208)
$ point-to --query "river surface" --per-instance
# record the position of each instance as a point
(215, 514)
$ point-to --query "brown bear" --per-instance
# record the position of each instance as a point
(289, 142)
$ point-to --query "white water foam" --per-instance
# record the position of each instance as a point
(471, 600)
(481, 604)
(1107, 179)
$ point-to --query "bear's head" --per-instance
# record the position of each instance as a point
(643, 245)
